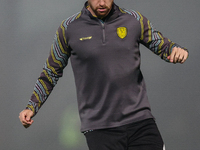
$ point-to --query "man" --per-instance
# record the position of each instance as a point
(102, 42)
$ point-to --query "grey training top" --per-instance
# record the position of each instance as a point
(105, 58)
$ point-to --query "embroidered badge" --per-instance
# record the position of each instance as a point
(122, 32)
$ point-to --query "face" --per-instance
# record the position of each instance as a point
(100, 8)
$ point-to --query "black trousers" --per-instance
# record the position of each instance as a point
(143, 135)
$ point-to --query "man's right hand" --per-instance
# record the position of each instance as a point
(25, 117)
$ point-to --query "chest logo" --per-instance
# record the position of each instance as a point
(85, 38)
(122, 32)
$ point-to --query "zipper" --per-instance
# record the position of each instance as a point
(103, 31)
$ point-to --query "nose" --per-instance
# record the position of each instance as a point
(101, 2)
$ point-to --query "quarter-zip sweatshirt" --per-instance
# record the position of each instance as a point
(105, 59)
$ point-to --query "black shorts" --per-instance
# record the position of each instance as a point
(143, 135)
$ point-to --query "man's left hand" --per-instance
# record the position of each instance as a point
(178, 55)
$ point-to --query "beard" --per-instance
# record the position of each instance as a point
(101, 12)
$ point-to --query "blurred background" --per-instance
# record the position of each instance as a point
(27, 30)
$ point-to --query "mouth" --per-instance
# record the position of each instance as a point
(102, 10)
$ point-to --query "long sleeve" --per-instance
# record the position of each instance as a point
(154, 40)
(52, 71)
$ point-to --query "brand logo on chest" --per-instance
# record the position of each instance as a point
(85, 38)
(122, 32)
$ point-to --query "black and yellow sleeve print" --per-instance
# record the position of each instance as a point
(52, 70)
(154, 40)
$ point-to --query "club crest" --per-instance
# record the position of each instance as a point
(122, 32)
